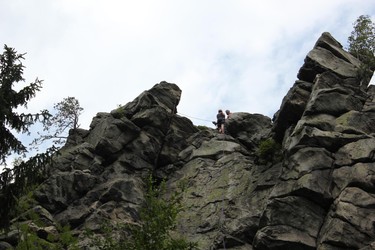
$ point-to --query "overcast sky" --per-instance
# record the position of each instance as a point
(230, 54)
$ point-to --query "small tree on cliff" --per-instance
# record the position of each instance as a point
(362, 43)
(66, 117)
(158, 217)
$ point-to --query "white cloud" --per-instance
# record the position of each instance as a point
(241, 55)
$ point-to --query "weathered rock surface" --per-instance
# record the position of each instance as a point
(328, 159)
(321, 195)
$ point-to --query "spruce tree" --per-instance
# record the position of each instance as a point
(11, 71)
(361, 43)
(14, 182)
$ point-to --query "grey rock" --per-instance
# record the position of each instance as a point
(332, 101)
(5, 246)
(165, 95)
(283, 224)
(321, 59)
(371, 246)
(358, 151)
(291, 109)
(328, 42)
(249, 129)
(305, 136)
(370, 102)
(356, 122)
(319, 195)
(359, 175)
(109, 135)
(350, 221)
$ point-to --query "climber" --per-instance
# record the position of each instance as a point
(229, 114)
(220, 121)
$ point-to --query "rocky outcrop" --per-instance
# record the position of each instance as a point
(326, 182)
(321, 195)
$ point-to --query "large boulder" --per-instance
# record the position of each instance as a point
(283, 224)
(164, 95)
(292, 108)
(249, 129)
(328, 55)
(350, 221)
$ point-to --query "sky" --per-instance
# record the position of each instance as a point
(238, 55)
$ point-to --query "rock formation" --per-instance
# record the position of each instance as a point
(321, 195)
(324, 196)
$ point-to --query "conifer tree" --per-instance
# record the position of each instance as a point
(362, 43)
(11, 71)
(14, 182)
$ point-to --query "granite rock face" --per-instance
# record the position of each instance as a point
(320, 195)
(328, 147)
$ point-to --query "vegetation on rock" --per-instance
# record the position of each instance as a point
(35, 232)
(154, 230)
(362, 44)
(15, 181)
(65, 117)
(269, 151)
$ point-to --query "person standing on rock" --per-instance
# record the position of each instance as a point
(220, 117)
(229, 114)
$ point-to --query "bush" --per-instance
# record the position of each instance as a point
(32, 232)
(157, 219)
(269, 151)
(30, 240)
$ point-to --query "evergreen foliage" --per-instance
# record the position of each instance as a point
(157, 219)
(11, 70)
(30, 240)
(269, 151)
(15, 182)
(362, 44)
(29, 231)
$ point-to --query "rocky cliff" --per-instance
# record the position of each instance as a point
(319, 195)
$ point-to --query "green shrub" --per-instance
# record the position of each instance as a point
(269, 151)
(29, 239)
(157, 219)
(28, 229)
